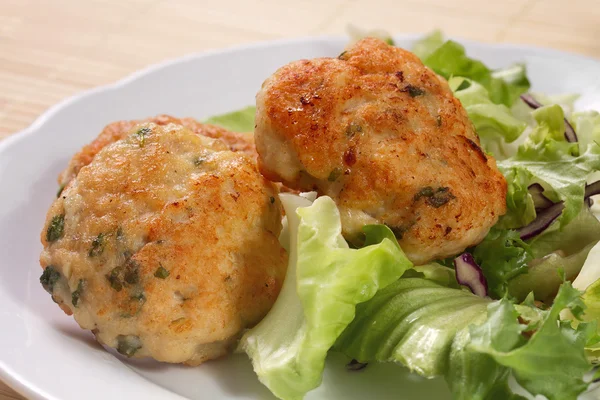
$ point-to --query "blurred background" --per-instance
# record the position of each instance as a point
(52, 49)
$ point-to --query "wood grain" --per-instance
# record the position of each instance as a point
(50, 50)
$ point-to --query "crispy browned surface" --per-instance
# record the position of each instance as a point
(117, 130)
(373, 129)
(182, 202)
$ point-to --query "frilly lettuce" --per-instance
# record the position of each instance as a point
(494, 123)
(502, 256)
(548, 159)
(562, 168)
(565, 250)
(587, 126)
(449, 59)
(475, 343)
(552, 362)
(324, 282)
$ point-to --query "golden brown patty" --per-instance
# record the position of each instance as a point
(165, 245)
(384, 137)
(118, 130)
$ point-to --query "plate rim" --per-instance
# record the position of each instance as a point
(29, 389)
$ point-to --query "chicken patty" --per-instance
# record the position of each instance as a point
(118, 130)
(165, 245)
(384, 136)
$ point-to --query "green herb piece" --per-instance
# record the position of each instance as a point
(342, 55)
(435, 198)
(142, 133)
(98, 245)
(438, 121)
(398, 231)
(139, 297)
(440, 197)
(56, 228)
(134, 306)
(128, 345)
(272, 199)
(413, 91)
(427, 191)
(161, 272)
(60, 190)
(49, 278)
(131, 274)
(390, 41)
(353, 129)
(76, 295)
(114, 279)
(199, 161)
(335, 173)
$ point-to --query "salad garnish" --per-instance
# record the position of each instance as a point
(504, 310)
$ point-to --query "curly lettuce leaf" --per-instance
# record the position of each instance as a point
(449, 59)
(494, 123)
(512, 266)
(553, 361)
(562, 168)
(587, 126)
(566, 250)
(324, 283)
(425, 46)
(475, 343)
(548, 159)
(236, 121)
(502, 256)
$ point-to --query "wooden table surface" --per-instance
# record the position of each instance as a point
(52, 49)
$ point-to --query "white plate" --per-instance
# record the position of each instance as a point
(44, 354)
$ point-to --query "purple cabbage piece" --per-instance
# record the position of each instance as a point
(542, 221)
(592, 189)
(570, 134)
(469, 274)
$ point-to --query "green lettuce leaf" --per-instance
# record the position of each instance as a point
(548, 159)
(324, 283)
(587, 126)
(449, 59)
(512, 266)
(424, 47)
(552, 362)
(475, 343)
(502, 256)
(565, 250)
(236, 121)
(562, 168)
(494, 123)
(415, 321)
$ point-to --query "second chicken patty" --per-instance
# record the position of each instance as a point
(383, 136)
